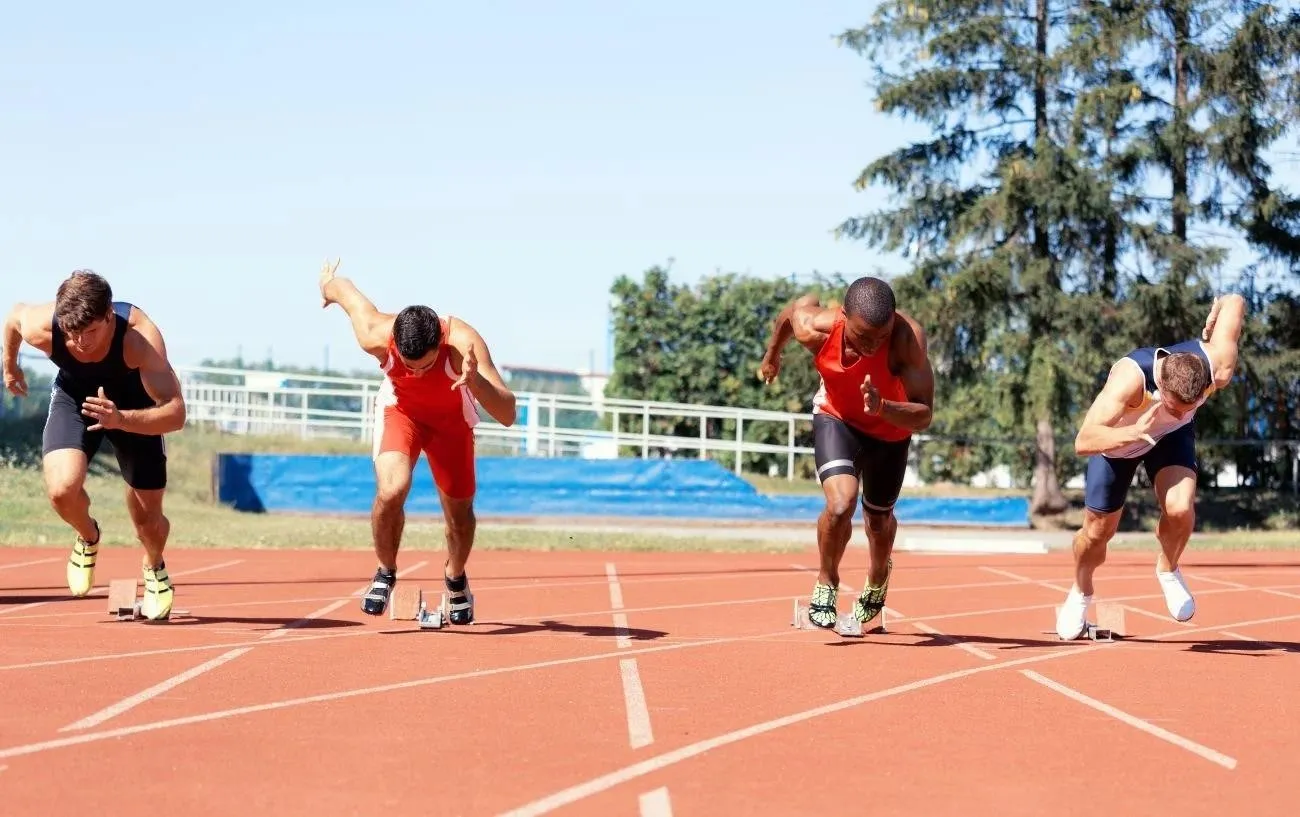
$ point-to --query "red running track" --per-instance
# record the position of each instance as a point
(651, 684)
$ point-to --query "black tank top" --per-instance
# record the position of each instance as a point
(80, 380)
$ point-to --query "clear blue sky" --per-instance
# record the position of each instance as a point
(501, 161)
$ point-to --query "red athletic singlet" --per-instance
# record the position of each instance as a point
(428, 397)
(423, 412)
(840, 394)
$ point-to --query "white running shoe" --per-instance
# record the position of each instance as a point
(1072, 616)
(1177, 597)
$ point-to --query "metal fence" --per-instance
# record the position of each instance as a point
(553, 425)
(240, 401)
(597, 427)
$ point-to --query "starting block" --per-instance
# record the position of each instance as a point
(1110, 622)
(408, 605)
(845, 623)
(124, 601)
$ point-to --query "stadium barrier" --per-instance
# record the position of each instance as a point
(567, 487)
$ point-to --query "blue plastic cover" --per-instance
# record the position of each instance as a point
(530, 486)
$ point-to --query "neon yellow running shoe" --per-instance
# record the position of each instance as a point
(81, 564)
(156, 603)
(872, 600)
(821, 609)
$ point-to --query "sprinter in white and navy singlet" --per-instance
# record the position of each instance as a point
(1172, 438)
(1145, 416)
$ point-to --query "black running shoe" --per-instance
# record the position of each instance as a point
(460, 601)
(375, 601)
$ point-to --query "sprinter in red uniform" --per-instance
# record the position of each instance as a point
(877, 390)
(436, 368)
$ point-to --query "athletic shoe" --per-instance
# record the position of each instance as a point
(156, 603)
(1072, 616)
(81, 564)
(1177, 597)
(375, 601)
(872, 600)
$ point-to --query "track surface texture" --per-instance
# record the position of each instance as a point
(648, 684)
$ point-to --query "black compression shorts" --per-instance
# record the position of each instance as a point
(142, 458)
(880, 465)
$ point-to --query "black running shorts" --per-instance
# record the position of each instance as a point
(879, 465)
(142, 458)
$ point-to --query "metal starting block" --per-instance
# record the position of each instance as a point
(124, 601)
(845, 623)
(1110, 622)
(408, 605)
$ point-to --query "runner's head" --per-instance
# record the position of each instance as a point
(868, 314)
(417, 333)
(83, 308)
(1182, 378)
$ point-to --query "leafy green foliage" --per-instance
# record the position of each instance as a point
(704, 344)
(1042, 246)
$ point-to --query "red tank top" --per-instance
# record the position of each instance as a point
(427, 397)
(840, 394)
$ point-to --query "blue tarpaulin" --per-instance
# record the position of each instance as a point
(529, 486)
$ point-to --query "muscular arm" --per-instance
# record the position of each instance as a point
(31, 323)
(486, 383)
(370, 326)
(24, 323)
(145, 350)
(918, 381)
(13, 337)
(1224, 325)
(806, 321)
(1098, 433)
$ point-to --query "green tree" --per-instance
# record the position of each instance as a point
(1189, 96)
(703, 345)
(985, 207)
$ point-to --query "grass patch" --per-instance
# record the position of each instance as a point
(780, 485)
(1219, 540)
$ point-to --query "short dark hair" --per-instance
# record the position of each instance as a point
(82, 299)
(871, 299)
(1185, 376)
(415, 331)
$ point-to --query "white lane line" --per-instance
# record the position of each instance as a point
(575, 793)
(956, 642)
(154, 691)
(1240, 586)
(127, 704)
(605, 782)
(195, 571)
(26, 606)
(639, 732)
(15, 565)
(1136, 722)
(656, 804)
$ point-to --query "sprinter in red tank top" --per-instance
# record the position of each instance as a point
(877, 390)
(436, 369)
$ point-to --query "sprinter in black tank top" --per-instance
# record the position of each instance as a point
(114, 382)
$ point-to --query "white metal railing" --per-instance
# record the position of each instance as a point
(270, 403)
